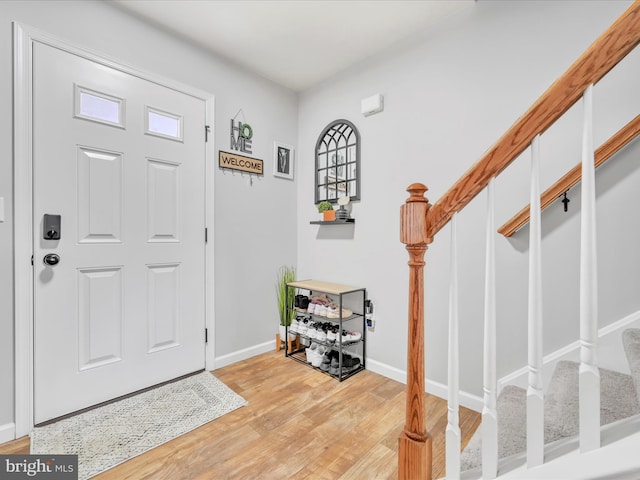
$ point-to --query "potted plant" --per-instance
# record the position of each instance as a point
(327, 211)
(285, 305)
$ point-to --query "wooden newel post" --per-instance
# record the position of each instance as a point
(414, 444)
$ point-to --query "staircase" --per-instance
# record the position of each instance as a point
(604, 453)
(619, 400)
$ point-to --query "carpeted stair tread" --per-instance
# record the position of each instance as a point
(631, 342)
(618, 400)
(511, 407)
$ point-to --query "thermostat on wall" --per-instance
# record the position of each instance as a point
(371, 105)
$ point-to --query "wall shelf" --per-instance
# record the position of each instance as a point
(348, 221)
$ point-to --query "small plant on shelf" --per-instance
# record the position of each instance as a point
(324, 205)
(327, 211)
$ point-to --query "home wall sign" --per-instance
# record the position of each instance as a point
(233, 161)
(241, 135)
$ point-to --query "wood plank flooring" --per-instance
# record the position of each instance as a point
(299, 423)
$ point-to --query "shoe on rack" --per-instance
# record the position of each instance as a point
(350, 362)
(321, 335)
(313, 352)
(311, 307)
(333, 311)
(311, 330)
(335, 361)
(348, 337)
(294, 326)
(303, 326)
(316, 359)
(326, 363)
(322, 299)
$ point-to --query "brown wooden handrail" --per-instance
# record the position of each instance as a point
(608, 50)
(607, 150)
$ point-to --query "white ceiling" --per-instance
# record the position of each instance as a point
(296, 43)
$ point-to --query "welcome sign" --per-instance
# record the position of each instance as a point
(239, 162)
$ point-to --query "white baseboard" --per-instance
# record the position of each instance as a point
(386, 370)
(243, 354)
(466, 399)
(432, 387)
(7, 432)
(610, 354)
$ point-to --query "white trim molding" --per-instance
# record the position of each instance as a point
(24, 37)
(23, 238)
(245, 353)
(432, 387)
(608, 339)
(7, 432)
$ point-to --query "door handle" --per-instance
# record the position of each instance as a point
(51, 259)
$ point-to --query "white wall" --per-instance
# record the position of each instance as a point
(448, 96)
(255, 229)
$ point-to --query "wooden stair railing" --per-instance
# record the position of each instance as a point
(420, 221)
(606, 151)
(607, 51)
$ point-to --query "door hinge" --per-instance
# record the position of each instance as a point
(32, 260)
(206, 335)
(207, 129)
(206, 235)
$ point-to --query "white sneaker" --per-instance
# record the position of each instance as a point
(311, 352)
(302, 328)
(311, 331)
(351, 336)
(321, 336)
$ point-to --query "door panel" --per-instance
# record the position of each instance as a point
(124, 308)
(99, 175)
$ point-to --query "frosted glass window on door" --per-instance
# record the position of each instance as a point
(99, 107)
(163, 124)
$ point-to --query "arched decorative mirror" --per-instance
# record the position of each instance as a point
(338, 162)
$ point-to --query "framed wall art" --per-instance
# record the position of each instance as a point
(283, 159)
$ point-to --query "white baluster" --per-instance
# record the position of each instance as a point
(535, 395)
(589, 373)
(489, 414)
(453, 428)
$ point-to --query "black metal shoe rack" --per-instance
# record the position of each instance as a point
(352, 298)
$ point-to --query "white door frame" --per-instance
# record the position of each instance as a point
(23, 281)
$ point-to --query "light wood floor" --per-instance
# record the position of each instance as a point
(299, 423)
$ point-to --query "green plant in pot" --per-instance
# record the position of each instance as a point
(285, 305)
(327, 211)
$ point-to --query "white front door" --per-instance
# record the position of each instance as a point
(121, 161)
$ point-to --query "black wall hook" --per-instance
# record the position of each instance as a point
(566, 201)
